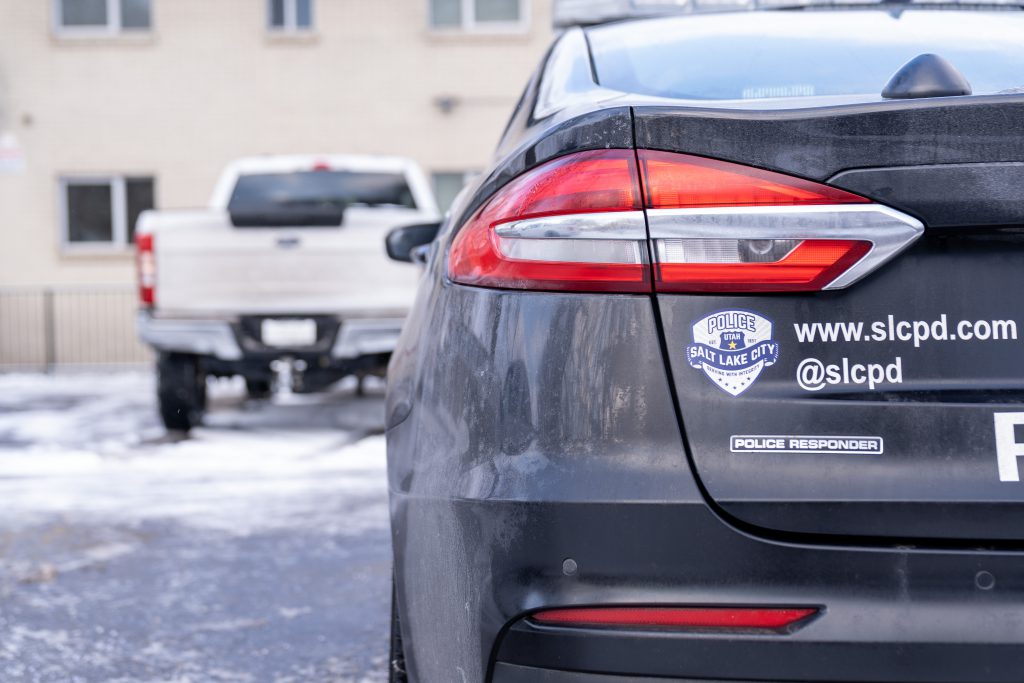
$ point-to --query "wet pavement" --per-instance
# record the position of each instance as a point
(254, 550)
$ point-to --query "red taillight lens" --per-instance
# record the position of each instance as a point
(682, 618)
(572, 224)
(681, 181)
(146, 266)
(580, 223)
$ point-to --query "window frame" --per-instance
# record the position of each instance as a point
(469, 24)
(118, 210)
(291, 19)
(114, 26)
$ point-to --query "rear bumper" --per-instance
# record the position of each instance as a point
(201, 337)
(225, 340)
(366, 336)
(888, 615)
(508, 673)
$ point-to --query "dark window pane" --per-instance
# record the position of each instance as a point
(135, 14)
(304, 13)
(139, 197)
(277, 13)
(83, 12)
(318, 189)
(445, 13)
(497, 10)
(89, 215)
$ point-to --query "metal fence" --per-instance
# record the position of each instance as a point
(46, 328)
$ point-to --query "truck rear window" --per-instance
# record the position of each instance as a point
(311, 189)
(755, 55)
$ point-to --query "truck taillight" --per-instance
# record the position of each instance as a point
(146, 265)
(581, 223)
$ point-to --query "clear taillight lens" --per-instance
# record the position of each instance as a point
(684, 265)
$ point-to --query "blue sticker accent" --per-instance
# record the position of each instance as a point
(732, 347)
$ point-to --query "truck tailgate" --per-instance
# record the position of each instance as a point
(205, 265)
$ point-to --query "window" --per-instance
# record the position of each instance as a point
(102, 211)
(802, 54)
(102, 16)
(290, 15)
(478, 15)
(270, 192)
(448, 185)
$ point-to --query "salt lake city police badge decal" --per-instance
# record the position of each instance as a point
(732, 348)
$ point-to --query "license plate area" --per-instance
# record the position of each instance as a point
(292, 333)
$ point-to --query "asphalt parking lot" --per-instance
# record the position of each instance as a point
(254, 550)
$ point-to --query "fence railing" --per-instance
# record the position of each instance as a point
(46, 328)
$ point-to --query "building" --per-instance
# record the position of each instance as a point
(108, 107)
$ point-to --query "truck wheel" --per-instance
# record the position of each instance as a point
(258, 388)
(181, 391)
(396, 662)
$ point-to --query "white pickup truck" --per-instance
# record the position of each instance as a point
(286, 269)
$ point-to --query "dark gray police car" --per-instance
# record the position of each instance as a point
(717, 374)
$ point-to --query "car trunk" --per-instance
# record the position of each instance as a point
(892, 407)
(209, 266)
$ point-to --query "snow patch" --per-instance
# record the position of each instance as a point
(91, 446)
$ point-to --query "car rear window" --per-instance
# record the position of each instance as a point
(755, 55)
(308, 189)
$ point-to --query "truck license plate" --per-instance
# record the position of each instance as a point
(288, 332)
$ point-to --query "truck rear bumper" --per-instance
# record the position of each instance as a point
(366, 336)
(356, 337)
(201, 337)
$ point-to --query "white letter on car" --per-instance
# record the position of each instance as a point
(1007, 448)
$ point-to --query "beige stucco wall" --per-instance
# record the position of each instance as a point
(209, 84)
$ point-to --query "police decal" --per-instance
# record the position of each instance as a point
(732, 348)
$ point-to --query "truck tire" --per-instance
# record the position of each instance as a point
(258, 388)
(181, 391)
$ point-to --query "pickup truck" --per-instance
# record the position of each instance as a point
(283, 278)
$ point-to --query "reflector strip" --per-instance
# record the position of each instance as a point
(726, 618)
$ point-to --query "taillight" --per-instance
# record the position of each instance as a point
(575, 223)
(723, 227)
(146, 265)
(578, 223)
(678, 618)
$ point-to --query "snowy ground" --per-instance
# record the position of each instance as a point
(254, 550)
